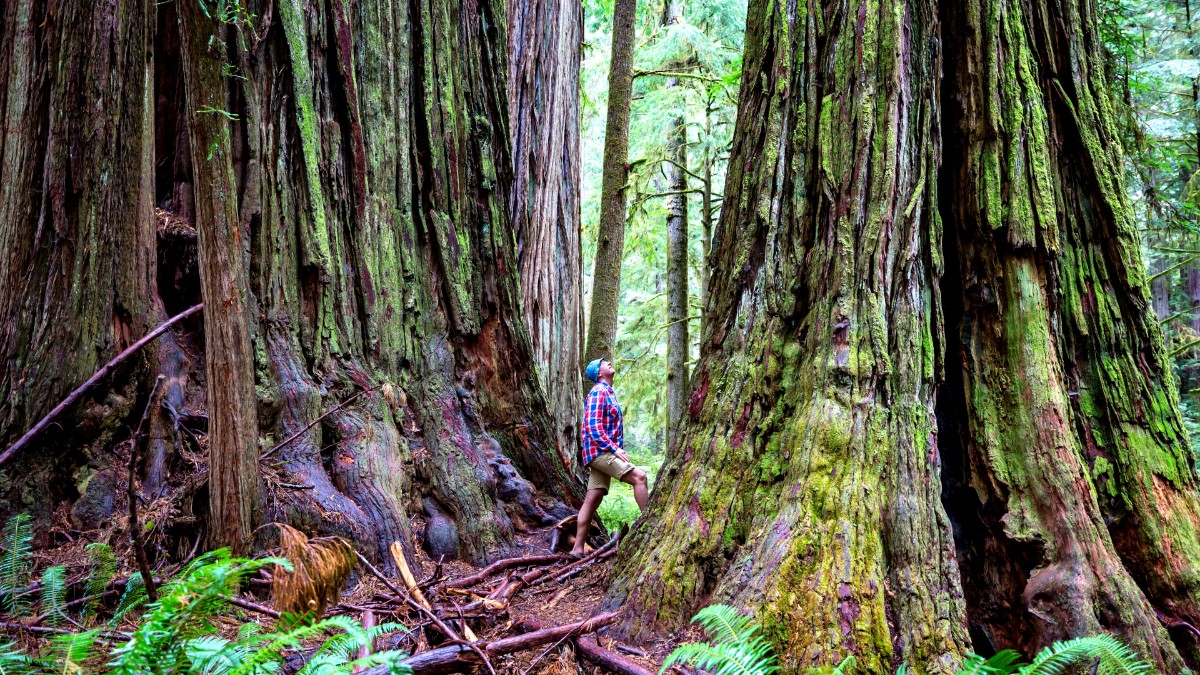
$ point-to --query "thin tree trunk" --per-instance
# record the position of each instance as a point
(234, 501)
(610, 242)
(804, 486)
(677, 256)
(706, 219)
(543, 102)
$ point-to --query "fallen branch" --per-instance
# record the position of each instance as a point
(459, 658)
(588, 648)
(501, 565)
(91, 381)
(314, 423)
(612, 542)
(252, 606)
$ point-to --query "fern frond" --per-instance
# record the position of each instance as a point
(103, 570)
(1116, 658)
(132, 597)
(54, 594)
(264, 656)
(212, 655)
(15, 564)
(15, 662)
(1001, 663)
(720, 659)
(725, 624)
(70, 651)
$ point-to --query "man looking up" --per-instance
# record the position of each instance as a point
(603, 453)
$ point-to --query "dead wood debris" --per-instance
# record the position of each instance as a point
(459, 619)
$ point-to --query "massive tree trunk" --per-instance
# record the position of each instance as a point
(610, 237)
(1082, 498)
(812, 446)
(367, 208)
(543, 102)
(77, 239)
(805, 483)
(677, 254)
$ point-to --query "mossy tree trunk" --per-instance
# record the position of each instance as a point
(353, 160)
(808, 486)
(234, 501)
(544, 40)
(805, 483)
(77, 235)
(676, 172)
(1074, 482)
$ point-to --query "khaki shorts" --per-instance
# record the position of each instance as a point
(604, 468)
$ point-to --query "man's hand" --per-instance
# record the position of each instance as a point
(621, 454)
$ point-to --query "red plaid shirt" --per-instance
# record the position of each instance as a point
(603, 430)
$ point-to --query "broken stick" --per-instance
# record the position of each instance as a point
(460, 658)
(96, 377)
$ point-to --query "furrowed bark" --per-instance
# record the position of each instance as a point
(234, 501)
(353, 161)
(543, 102)
(610, 242)
(77, 243)
(1083, 488)
(805, 485)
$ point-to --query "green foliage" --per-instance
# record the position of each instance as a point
(737, 646)
(178, 633)
(14, 565)
(54, 594)
(103, 569)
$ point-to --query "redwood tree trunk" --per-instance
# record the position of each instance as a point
(812, 445)
(1083, 491)
(77, 241)
(234, 503)
(543, 102)
(353, 160)
(610, 238)
(805, 484)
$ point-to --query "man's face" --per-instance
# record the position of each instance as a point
(606, 369)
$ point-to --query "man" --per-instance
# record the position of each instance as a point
(603, 453)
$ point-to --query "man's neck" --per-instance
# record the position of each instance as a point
(606, 380)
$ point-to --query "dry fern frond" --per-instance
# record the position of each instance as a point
(321, 567)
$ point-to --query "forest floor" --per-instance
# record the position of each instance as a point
(527, 596)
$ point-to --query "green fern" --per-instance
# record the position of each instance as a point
(54, 594)
(15, 565)
(103, 570)
(69, 652)
(737, 648)
(13, 661)
(1115, 657)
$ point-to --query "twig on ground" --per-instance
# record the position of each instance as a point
(501, 565)
(135, 532)
(252, 606)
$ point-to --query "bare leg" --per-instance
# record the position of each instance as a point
(641, 493)
(590, 503)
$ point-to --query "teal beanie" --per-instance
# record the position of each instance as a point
(593, 370)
